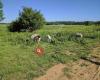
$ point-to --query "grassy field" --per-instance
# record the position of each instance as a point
(18, 61)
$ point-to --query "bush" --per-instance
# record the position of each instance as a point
(28, 20)
(14, 26)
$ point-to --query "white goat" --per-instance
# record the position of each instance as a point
(36, 37)
(79, 35)
(49, 38)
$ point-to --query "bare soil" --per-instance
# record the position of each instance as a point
(78, 70)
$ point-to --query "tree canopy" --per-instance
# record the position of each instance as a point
(28, 19)
(1, 11)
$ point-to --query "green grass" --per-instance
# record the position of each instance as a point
(18, 61)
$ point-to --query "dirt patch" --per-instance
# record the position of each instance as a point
(83, 70)
(78, 70)
(95, 52)
(53, 73)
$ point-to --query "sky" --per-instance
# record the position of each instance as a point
(55, 10)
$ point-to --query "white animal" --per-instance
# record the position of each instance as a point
(36, 37)
(79, 35)
(49, 38)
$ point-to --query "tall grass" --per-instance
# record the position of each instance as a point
(18, 61)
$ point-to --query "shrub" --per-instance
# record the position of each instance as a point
(14, 26)
(28, 20)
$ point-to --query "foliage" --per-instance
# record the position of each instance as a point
(28, 20)
(15, 26)
(97, 23)
(1, 11)
(87, 23)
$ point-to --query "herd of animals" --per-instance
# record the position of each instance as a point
(37, 37)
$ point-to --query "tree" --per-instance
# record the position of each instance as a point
(28, 20)
(97, 23)
(14, 26)
(86, 23)
(1, 11)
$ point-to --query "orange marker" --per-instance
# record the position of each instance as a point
(39, 51)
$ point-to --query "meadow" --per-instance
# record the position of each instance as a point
(18, 61)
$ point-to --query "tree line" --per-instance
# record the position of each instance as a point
(73, 23)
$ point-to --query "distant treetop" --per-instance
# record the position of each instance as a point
(1, 11)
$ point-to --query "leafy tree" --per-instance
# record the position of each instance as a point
(86, 23)
(28, 20)
(97, 23)
(14, 26)
(1, 11)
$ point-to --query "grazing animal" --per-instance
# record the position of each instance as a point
(36, 37)
(49, 39)
(79, 35)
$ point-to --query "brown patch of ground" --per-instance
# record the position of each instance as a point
(95, 52)
(53, 73)
(79, 70)
(83, 70)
